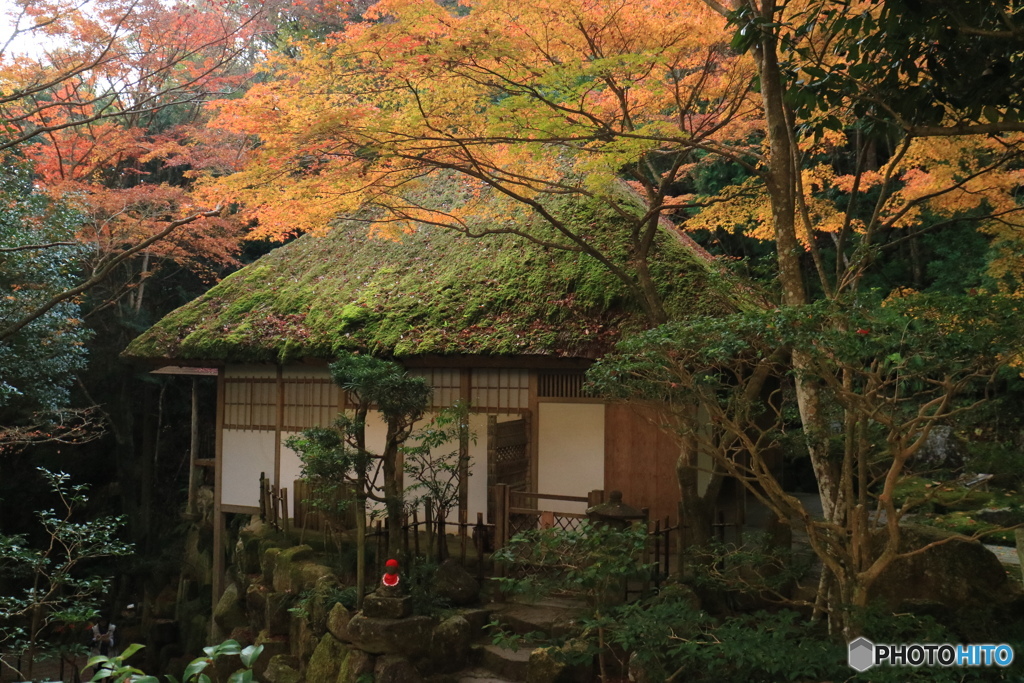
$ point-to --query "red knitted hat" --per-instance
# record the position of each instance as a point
(391, 563)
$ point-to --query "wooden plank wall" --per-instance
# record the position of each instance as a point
(640, 461)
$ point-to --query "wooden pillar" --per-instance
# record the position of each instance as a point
(219, 519)
(278, 424)
(193, 450)
(465, 389)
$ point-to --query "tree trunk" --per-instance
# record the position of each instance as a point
(781, 185)
(361, 544)
(393, 492)
(696, 512)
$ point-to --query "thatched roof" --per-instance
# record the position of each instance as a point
(431, 292)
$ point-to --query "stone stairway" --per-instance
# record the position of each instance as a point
(497, 664)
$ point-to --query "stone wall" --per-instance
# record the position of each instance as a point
(280, 597)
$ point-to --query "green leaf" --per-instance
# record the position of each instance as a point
(249, 655)
(241, 676)
(195, 667)
(130, 650)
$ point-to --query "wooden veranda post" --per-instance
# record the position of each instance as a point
(193, 450)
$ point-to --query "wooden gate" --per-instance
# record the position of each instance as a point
(508, 457)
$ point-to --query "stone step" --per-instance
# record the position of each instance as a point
(480, 676)
(554, 620)
(506, 663)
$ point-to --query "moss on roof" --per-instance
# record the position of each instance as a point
(431, 291)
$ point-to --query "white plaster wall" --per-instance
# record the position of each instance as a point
(246, 453)
(291, 469)
(570, 452)
(478, 467)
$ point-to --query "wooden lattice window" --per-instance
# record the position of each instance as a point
(561, 385)
(501, 390)
(446, 383)
(250, 403)
(310, 403)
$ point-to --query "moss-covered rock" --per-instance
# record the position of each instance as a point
(337, 622)
(282, 669)
(277, 618)
(268, 562)
(395, 669)
(356, 665)
(410, 637)
(285, 562)
(321, 604)
(551, 664)
(302, 638)
(229, 613)
(546, 667)
(256, 604)
(272, 647)
(456, 585)
(449, 645)
(325, 664)
(957, 572)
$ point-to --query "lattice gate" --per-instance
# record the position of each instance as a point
(508, 457)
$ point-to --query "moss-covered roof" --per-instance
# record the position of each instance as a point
(431, 291)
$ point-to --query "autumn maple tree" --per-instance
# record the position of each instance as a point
(103, 99)
(629, 105)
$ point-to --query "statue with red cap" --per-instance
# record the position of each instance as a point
(389, 601)
(391, 579)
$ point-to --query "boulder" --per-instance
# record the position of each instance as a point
(302, 638)
(229, 614)
(1001, 516)
(256, 603)
(546, 667)
(387, 607)
(247, 554)
(337, 622)
(449, 644)
(395, 669)
(282, 669)
(453, 583)
(295, 571)
(321, 607)
(268, 561)
(277, 619)
(941, 449)
(958, 573)
(325, 664)
(560, 665)
(272, 646)
(356, 665)
(244, 636)
(408, 637)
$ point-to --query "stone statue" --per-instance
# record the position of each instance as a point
(389, 582)
(389, 601)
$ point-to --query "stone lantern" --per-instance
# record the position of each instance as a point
(615, 513)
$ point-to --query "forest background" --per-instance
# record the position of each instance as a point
(834, 152)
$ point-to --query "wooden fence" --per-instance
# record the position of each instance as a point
(273, 504)
(425, 536)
